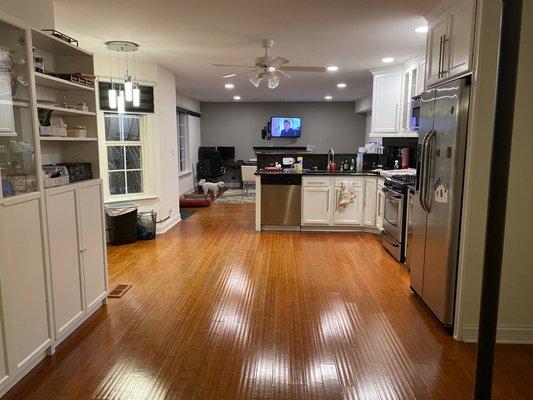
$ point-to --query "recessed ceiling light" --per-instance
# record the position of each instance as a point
(421, 29)
(236, 98)
(328, 98)
(332, 68)
(229, 85)
(387, 60)
(341, 85)
(229, 76)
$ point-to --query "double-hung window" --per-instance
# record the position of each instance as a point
(182, 141)
(125, 149)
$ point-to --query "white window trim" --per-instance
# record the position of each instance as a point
(149, 150)
(187, 169)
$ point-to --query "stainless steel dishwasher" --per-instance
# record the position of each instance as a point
(281, 200)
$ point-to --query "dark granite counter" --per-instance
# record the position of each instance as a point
(317, 173)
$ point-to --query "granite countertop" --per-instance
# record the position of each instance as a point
(317, 173)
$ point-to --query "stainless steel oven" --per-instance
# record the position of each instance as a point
(393, 222)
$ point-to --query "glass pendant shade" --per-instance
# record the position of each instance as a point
(256, 80)
(136, 96)
(273, 81)
(128, 88)
(112, 97)
(121, 103)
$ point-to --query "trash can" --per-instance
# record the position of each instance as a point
(146, 225)
(121, 223)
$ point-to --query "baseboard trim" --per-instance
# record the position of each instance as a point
(168, 224)
(508, 334)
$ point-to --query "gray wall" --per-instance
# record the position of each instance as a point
(324, 125)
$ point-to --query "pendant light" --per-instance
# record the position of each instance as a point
(130, 91)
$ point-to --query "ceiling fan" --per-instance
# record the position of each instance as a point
(269, 68)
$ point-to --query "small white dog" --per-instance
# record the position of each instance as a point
(210, 186)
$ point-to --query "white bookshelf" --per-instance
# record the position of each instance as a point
(59, 83)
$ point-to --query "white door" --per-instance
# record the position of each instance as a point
(65, 262)
(316, 205)
(93, 243)
(461, 28)
(370, 202)
(351, 214)
(438, 30)
(386, 97)
(23, 283)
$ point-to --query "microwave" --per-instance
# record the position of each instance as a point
(414, 114)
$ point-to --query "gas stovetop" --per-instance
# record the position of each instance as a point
(400, 182)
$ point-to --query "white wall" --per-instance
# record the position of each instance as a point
(187, 102)
(515, 323)
(39, 14)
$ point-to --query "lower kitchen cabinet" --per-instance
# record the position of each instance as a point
(77, 252)
(25, 333)
(380, 206)
(352, 214)
(316, 201)
(370, 202)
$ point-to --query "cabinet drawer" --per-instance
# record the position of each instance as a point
(316, 182)
(357, 182)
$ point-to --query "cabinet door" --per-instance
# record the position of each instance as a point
(316, 205)
(65, 262)
(23, 283)
(421, 78)
(386, 97)
(379, 209)
(461, 37)
(351, 214)
(93, 243)
(438, 28)
(370, 202)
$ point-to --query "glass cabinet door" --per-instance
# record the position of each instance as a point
(17, 154)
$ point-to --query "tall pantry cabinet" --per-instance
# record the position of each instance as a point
(53, 271)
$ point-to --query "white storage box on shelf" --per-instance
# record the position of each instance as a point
(79, 132)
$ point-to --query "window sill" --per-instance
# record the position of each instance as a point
(185, 173)
(128, 199)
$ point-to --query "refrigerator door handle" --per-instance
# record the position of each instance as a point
(427, 168)
(423, 169)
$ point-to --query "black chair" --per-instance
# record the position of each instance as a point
(210, 166)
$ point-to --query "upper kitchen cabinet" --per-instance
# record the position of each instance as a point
(386, 98)
(450, 40)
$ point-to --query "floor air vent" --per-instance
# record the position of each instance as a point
(119, 291)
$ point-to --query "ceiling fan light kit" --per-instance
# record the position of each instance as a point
(269, 68)
(129, 90)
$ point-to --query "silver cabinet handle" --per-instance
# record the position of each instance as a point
(444, 41)
(441, 47)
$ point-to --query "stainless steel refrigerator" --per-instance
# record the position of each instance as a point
(435, 209)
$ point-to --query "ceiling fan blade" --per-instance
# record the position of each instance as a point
(239, 73)
(284, 73)
(303, 69)
(278, 62)
(234, 66)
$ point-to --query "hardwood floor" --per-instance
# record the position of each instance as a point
(218, 311)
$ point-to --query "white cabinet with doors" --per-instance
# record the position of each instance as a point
(371, 186)
(386, 101)
(77, 252)
(450, 40)
(351, 214)
(316, 201)
(380, 206)
(321, 202)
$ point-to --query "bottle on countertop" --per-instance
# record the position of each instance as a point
(352, 165)
(396, 164)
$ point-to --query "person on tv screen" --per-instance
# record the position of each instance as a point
(287, 131)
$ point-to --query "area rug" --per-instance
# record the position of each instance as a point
(237, 196)
(186, 213)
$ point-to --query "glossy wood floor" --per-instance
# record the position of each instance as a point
(218, 311)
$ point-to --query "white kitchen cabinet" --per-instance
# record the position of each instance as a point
(450, 41)
(369, 210)
(77, 258)
(386, 98)
(23, 277)
(380, 206)
(316, 199)
(351, 214)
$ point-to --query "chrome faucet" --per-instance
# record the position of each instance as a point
(331, 158)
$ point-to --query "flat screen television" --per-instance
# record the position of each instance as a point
(286, 127)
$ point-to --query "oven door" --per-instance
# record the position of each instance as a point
(393, 213)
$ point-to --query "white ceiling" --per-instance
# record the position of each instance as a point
(189, 36)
